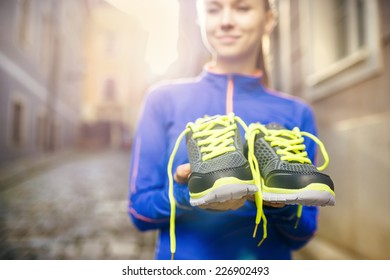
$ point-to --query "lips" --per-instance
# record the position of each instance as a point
(228, 39)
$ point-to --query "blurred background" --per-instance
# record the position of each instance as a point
(73, 75)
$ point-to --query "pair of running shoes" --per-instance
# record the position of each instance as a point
(272, 165)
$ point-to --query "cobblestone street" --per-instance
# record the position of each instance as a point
(75, 209)
(73, 206)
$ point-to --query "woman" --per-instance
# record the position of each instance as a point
(232, 31)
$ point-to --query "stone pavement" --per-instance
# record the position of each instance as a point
(73, 208)
(73, 205)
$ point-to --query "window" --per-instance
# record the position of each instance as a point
(110, 43)
(40, 131)
(340, 42)
(17, 124)
(110, 90)
(24, 22)
(46, 41)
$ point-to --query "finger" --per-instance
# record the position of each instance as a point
(273, 204)
(225, 205)
(182, 173)
(238, 203)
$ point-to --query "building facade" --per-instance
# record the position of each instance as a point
(41, 70)
(336, 55)
(115, 80)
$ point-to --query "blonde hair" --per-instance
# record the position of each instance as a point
(261, 62)
(270, 5)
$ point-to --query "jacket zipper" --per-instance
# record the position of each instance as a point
(229, 95)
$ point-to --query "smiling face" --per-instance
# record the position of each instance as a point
(232, 29)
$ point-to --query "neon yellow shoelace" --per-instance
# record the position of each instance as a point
(290, 143)
(213, 143)
(254, 165)
(291, 148)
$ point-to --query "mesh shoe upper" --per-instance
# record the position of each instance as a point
(278, 173)
(224, 161)
(228, 164)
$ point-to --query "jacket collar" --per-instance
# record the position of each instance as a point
(240, 81)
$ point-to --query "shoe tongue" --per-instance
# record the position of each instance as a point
(207, 119)
(275, 126)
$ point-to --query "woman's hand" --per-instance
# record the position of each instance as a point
(267, 203)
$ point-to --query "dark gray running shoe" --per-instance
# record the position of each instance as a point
(219, 169)
(286, 173)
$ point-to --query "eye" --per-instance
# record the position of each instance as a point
(212, 7)
(212, 10)
(243, 8)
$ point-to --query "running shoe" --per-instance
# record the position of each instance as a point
(285, 172)
(219, 168)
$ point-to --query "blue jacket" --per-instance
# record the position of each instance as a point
(203, 234)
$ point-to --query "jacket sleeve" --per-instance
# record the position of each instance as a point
(149, 206)
(297, 232)
(285, 219)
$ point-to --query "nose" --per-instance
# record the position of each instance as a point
(227, 21)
